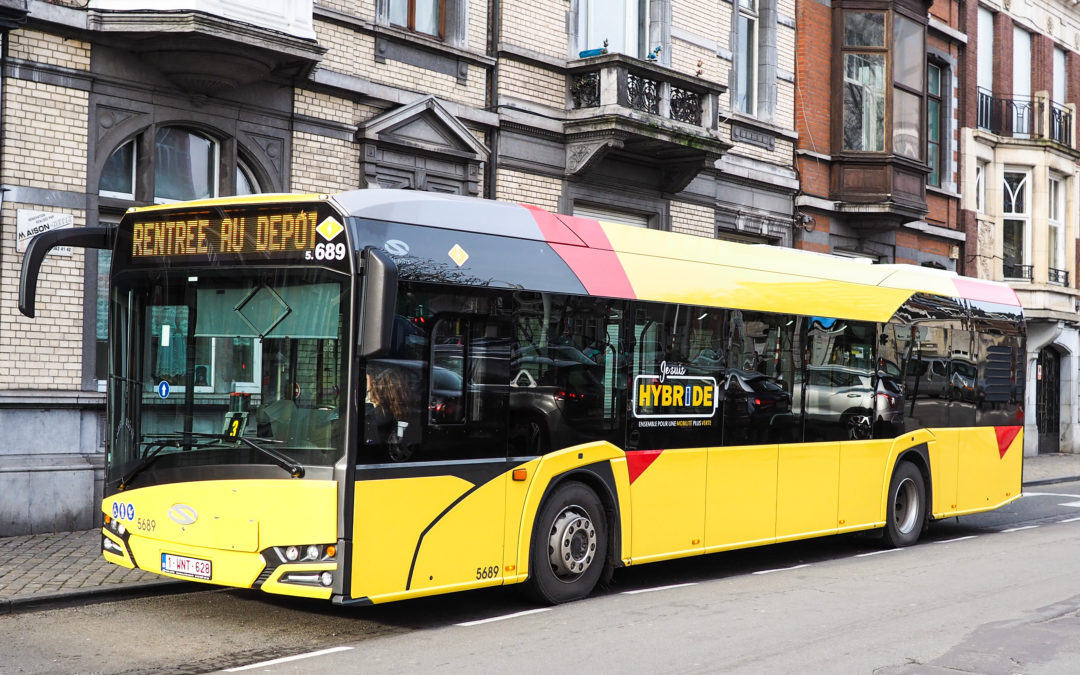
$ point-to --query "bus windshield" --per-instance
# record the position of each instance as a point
(226, 367)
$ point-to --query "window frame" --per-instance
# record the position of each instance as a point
(1055, 249)
(935, 149)
(410, 11)
(744, 92)
(113, 206)
(877, 133)
(1021, 217)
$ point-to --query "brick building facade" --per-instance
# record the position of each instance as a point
(669, 114)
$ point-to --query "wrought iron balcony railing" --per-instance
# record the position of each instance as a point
(1060, 124)
(1025, 117)
(1018, 271)
(1006, 116)
(1056, 276)
(615, 80)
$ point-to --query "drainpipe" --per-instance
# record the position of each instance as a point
(494, 26)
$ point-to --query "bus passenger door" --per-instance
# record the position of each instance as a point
(429, 514)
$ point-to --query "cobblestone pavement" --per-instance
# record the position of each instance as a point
(66, 567)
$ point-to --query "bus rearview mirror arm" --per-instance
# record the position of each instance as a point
(98, 236)
(379, 302)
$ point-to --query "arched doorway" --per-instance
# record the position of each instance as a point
(1048, 400)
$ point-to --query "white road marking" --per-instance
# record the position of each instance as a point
(1075, 505)
(884, 550)
(1070, 520)
(781, 569)
(286, 659)
(949, 541)
(1017, 529)
(1049, 494)
(504, 617)
(659, 588)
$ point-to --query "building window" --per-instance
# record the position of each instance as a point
(1016, 250)
(622, 26)
(420, 16)
(118, 176)
(185, 166)
(909, 53)
(746, 57)
(1020, 110)
(883, 57)
(934, 124)
(980, 187)
(1056, 240)
(864, 81)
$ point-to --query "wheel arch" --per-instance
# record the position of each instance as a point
(599, 466)
(600, 478)
(917, 454)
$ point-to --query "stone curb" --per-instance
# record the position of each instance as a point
(82, 596)
(1050, 481)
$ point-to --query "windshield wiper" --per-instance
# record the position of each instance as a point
(169, 441)
(295, 469)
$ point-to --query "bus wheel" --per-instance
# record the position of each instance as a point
(569, 546)
(906, 513)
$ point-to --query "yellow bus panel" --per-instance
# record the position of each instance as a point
(807, 481)
(389, 517)
(740, 503)
(990, 459)
(668, 506)
(464, 548)
(865, 472)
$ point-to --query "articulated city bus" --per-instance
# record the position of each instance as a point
(384, 394)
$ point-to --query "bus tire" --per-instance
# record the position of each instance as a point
(569, 545)
(906, 512)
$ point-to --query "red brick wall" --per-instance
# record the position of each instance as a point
(813, 60)
(1042, 63)
(1003, 55)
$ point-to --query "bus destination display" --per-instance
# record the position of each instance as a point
(237, 233)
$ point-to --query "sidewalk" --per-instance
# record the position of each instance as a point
(67, 568)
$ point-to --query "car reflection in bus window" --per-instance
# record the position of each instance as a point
(762, 385)
(841, 402)
(565, 381)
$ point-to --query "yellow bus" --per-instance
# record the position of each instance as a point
(381, 394)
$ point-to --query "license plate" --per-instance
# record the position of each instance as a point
(185, 567)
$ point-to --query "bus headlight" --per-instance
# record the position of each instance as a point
(305, 553)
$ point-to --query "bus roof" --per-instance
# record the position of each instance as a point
(615, 260)
(623, 261)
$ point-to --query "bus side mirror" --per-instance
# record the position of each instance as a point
(379, 302)
(98, 236)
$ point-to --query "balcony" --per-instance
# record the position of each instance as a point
(1056, 276)
(1014, 271)
(209, 46)
(640, 111)
(1036, 117)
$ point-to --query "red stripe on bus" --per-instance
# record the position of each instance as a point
(589, 230)
(600, 272)
(639, 460)
(1005, 437)
(553, 230)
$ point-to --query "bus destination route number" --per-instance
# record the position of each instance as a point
(280, 233)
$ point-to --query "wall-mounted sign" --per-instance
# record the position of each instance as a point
(29, 224)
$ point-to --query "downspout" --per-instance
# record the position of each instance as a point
(494, 26)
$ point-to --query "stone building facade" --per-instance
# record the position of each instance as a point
(1019, 172)
(670, 114)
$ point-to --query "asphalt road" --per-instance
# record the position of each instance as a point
(994, 593)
